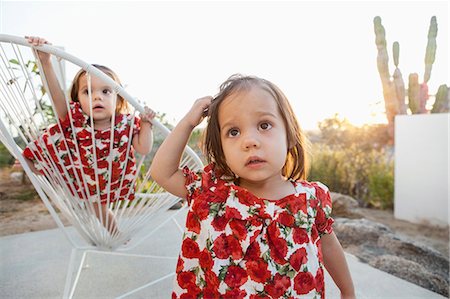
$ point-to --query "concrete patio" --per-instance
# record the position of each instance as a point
(34, 265)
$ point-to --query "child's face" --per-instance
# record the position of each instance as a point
(253, 135)
(103, 100)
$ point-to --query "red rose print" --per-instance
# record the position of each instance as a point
(273, 230)
(235, 277)
(275, 255)
(278, 246)
(246, 198)
(219, 223)
(286, 219)
(295, 204)
(238, 228)
(232, 213)
(304, 283)
(192, 223)
(212, 281)
(220, 247)
(299, 204)
(201, 208)
(180, 265)
(193, 292)
(210, 293)
(278, 286)
(257, 270)
(84, 134)
(253, 252)
(205, 259)
(298, 258)
(102, 164)
(314, 234)
(219, 195)
(186, 279)
(320, 281)
(190, 248)
(314, 203)
(300, 235)
(323, 224)
(234, 247)
(235, 294)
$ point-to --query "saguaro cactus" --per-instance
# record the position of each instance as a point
(394, 89)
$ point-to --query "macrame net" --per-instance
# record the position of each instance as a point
(68, 185)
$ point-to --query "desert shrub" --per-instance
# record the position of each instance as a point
(381, 185)
(365, 175)
(6, 159)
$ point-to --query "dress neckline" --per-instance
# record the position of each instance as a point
(282, 199)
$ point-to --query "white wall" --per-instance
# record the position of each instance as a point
(422, 168)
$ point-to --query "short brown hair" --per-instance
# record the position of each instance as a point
(296, 163)
(122, 106)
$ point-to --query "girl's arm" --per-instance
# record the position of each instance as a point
(165, 167)
(143, 141)
(56, 93)
(336, 265)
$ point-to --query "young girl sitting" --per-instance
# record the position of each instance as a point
(255, 228)
(71, 150)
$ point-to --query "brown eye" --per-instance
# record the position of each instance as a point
(265, 126)
(233, 132)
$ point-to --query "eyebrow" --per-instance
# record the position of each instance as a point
(82, 86)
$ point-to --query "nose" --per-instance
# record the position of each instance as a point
(97, 95)
(250, 141)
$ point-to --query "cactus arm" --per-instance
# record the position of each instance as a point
(382, 57)
(396, 52)
(399, 91)
(442, 102)
(430, 53)
(389, 93)
(423, 98)
(413, 93)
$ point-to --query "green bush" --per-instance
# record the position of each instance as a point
(6, 159)
(381, 185)
(367, 175)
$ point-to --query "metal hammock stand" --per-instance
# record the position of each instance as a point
(27, 112)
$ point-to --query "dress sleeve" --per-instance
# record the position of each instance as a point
(29, 149)
(136, 125)
(193, 182)
(323, 221)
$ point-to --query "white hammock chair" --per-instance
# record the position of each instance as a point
(25, 113)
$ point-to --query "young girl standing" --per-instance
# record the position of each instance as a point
(255, 228)
(91, 99)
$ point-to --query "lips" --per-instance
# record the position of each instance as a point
(254, 161)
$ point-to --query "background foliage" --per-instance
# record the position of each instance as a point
(356, 161)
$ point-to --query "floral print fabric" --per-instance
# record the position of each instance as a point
(237, 245)
(77, 169)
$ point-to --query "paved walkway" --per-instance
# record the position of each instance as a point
(34, 266)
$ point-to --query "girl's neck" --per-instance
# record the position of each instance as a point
(101, 125)
(273, 188)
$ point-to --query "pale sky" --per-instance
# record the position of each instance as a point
(321, 54)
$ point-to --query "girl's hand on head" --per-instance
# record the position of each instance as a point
(148, 115)
(39, 41)
(198, 111)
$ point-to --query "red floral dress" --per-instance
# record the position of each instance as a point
(71, 152)
(237, 245)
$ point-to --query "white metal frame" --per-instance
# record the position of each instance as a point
(46, 189)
